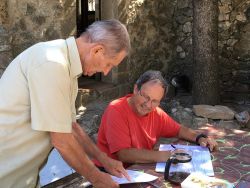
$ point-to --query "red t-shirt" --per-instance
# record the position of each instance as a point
(121, 128)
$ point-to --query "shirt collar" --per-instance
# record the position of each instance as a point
(74, 58)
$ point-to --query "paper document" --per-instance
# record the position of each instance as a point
(136, 177)
(201, 160)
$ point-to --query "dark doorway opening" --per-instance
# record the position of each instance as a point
(87, 11)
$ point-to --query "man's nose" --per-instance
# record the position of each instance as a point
(149, 104)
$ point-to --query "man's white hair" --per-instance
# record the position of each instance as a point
(110, 33)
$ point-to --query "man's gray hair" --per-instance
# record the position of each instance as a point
(152, 75)
(110, 33)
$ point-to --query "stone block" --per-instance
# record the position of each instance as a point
(51, 33)
(187, 12)
(179, 49)
(182, 55)
(5, 48)
(228, 124)
(241, 17)
(4, 39)
(30, 9)
(243, 117)
(184, 117)
(181, 19)
(199, 122)
(187, 27)
(182, 4)
(223, 17)
(214, 112)
(226, 8)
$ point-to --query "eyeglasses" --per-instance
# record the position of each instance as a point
(154, 103)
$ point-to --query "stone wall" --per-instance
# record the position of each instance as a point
(26, 22)
(234, 46)
(33, 21)
(161, 36)
(152, 34)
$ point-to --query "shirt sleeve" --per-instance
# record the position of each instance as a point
(117, 131)
(169, 127)
(49, 86)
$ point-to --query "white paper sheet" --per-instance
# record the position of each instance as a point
(136, 177)
(201, 160)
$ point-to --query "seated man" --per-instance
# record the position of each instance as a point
(131, 125)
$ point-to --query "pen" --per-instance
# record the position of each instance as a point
(173, 146)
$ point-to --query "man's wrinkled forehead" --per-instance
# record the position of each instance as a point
(152, 82)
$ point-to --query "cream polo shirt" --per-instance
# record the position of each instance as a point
(37, 96)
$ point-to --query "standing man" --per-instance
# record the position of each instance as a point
(37, 105)
(131, 125)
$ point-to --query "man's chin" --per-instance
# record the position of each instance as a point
(88, 74)
(144, 112)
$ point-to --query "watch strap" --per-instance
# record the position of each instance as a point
(198, 138)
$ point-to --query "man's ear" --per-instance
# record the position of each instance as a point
(97, 50)
(135, 89)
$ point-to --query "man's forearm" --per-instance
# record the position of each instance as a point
(90, 148)
(73, 153)
(187, 134)
(134, 155)
(191, 135)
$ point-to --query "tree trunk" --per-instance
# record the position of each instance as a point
(205, 44)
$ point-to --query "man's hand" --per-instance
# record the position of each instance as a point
(115, 168)
(208, 142)
(191, 135)
(104, 180)
(112, 166)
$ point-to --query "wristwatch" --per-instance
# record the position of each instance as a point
(198, 138)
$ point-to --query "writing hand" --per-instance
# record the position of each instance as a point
(208, 142)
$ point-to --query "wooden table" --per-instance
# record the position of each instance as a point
(231, 161)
